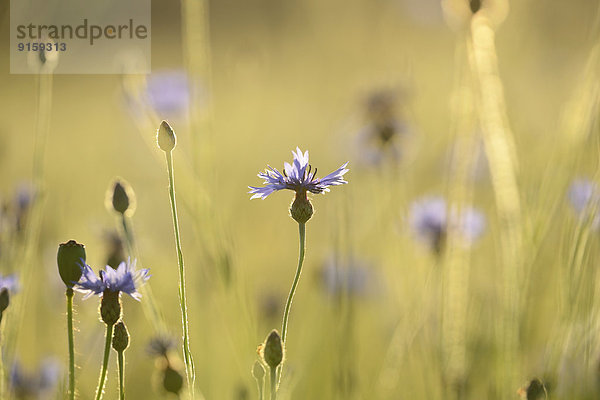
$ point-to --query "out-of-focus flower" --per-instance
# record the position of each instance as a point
(161, 346)
(430, 222)
(298, 177)
(37, 385)
(24, 198)
(584, 196)
(124, 279)
(383, 134)
(9, 282)
(352, 277)
(168, 92)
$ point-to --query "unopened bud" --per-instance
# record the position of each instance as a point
(258, 371)
(120, 340)
(121, 197)
(301, 209)
(4, 300)
(165, 137)
(172, 380)
(70, 257)
(272, 349)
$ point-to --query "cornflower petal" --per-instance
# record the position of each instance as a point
(298, 176)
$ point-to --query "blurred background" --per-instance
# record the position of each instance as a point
(458, 262)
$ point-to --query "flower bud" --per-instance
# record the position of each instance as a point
(272, 349)
(258, 371)
(121, 197)
(301, 209)
(165, 137)
(475, 5)
(4, 301)
(69, 258)
(172, 380)
(110, 307)
(120, 340)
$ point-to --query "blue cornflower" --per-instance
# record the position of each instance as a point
(9, 283)
(584, 196)
(26, 385)
(168, 92)
(430, 222)
(123, 279)
(352, 276)
(298, 177)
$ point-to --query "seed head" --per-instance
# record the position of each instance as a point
(69, 258)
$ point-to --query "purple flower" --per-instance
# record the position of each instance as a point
(429, 221)
(26, 385)
(584, 196)
(351, 277)
(168, 92)
(9, 283)
(298, 176)
(123, 279)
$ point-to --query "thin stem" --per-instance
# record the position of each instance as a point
(260, 385)
(71, 345)
(273, 383)
(1, 363)
(187, 355)
(288, 304)
(102, 380)
(121, 361)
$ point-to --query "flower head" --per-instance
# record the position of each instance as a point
(298, 176)
(352, 276)
(584, 196)
(161, 345)
(123, 279)
(168, 92)
(9, 282)
(28, 385)
(430, 223)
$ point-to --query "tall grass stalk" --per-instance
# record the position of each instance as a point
(500, 149)
(456, 268)
(15, 319)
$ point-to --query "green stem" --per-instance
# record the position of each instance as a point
(288, 304)
(101, 381)
(2, 377)
(121, 361)
(71, 345)
(187, 355)
(273, 384)
(260, 389)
